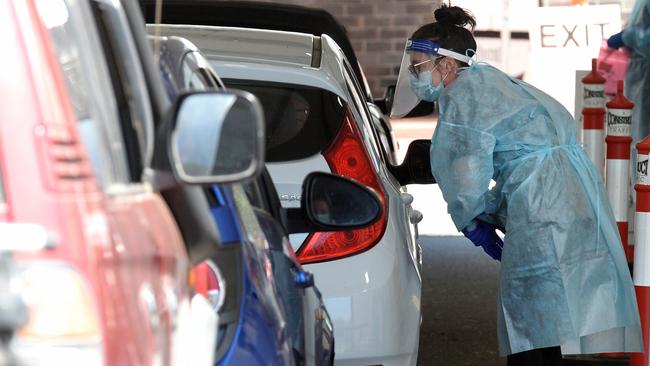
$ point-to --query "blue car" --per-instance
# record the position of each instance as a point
(252, 327)
(270, 312)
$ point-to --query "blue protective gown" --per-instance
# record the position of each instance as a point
(637, 80)
(564, 278)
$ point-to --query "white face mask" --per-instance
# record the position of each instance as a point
(424, 88)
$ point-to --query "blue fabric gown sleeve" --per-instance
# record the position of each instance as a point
(639, 39)
(638, 36)
(461, 162)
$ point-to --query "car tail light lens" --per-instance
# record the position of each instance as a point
(347, 157)
(209, 282)
(63, 325)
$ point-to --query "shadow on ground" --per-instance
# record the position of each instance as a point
(459, 294)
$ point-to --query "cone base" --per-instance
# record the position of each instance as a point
(643, 299)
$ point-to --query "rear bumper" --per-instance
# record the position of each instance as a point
(374, 302)
(395, 360)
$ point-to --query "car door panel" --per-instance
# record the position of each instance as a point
(284, 271)
(317, 332)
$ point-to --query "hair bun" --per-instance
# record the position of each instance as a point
(454, 15)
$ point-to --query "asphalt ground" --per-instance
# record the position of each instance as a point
(459, 301)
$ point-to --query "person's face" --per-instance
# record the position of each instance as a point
(420, 63)
(443, 69)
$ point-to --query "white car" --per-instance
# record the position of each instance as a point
(317, 120)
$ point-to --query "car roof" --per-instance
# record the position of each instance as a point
(254, 14)
(176, 46)
(172, 51)
(273, 46)
(261, 54)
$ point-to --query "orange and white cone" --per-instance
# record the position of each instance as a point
(593, 114)
(642, 249)
(619, 138)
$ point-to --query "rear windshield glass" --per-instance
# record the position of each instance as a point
(301, 121)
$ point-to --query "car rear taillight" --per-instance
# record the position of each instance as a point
(347, 157)
(209, 282)
(195, 336)
(63, 325)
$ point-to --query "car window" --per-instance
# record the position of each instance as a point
(129, 84)
(254, 194)
(301, 121)
(167, 68)
(85, 74)
(193, 80)
(195, 77)
(209, 73)
(366, 86)
(384, 132)
(358, 99)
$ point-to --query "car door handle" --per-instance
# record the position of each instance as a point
(416, 216)
(407, 198)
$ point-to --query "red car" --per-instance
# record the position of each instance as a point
(78, 120)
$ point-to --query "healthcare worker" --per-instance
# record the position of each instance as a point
(564, 284)
(636, 37)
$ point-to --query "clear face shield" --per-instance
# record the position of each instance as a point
(414, 83)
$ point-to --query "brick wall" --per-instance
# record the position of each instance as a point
(378, 30)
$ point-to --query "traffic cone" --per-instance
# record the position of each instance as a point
(593, 114)
(619, 138)
(642, 249)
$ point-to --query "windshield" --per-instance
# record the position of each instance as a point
(300, 120)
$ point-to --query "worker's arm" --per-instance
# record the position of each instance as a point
(461, 162)
(638, 39)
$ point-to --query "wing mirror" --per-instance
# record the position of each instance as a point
(416, 167)
(333, 203)
(218, 137)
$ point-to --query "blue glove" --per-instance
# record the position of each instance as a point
(616, 41)
(485, 236)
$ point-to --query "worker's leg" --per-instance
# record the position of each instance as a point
(551, 356)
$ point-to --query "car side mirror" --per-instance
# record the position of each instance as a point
(387, 103)
(333, 203)
(218, 137)
(416, 167)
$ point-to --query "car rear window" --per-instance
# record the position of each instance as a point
(301, 121)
